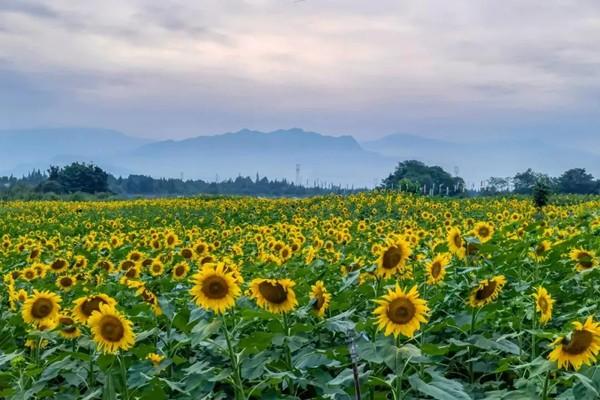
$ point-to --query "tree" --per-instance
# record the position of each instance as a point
(524, 182)
(77, 177)
(414, 172)
(577, 180)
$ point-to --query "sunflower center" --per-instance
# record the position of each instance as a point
(66, 281)
(457, 240)
(111, 328)
(179, 270)
(274, 293)
(186, 253)
(586, 264)
(42, 308)
(484, 231)
(69, 329)
(320, 301)
(579, 343)
(58, 265)
(66, 321)
(540, 249)
(392, 257)
(91, 305)
(215, 287)
(436, 269)
(486, 291)
(401, 310)
(543, 303)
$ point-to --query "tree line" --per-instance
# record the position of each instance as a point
(572, 181)
(89, 179)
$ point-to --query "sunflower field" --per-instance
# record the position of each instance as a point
(371, 296)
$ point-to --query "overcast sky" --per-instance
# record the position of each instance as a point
(177, 68)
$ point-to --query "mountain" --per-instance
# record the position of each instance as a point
(26, 149)
(479, 160)
(339, 160)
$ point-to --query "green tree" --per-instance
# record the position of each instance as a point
(76, 177)
(414, 172)
(577, 180)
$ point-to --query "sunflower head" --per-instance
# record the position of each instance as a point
(320, 297)
(543, 304)
(111, 330)
(436, 269)
(487, 291)
(401, 312)
(214, 289)
(584, 259)
(41, 307)
(84, 307)
(456, 243)
(274, 295)
(580, 347)
(392, 258)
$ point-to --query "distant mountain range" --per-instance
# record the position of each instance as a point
(340, 160)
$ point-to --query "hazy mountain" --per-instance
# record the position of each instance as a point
(477, 161)
(340, 160)
(23, 150)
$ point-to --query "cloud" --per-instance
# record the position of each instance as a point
(178, 68)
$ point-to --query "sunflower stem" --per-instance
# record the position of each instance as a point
(123, 377)
(91, 377)
(288, 354)
(533, 327)
(471, 330)
(399, 373)
(546, 382)
(239, 388)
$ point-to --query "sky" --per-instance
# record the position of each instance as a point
(466, 70)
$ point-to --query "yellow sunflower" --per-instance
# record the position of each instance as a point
(543, 304)
(68, 329)
(84, 307)
(585, 259)
(111, 330)
(401, 312)
(436, 269)
(214, 289)
(180, 271)
(157, 268)
(392, 258)
(41, 307)
(456, 243)
(66, 282)
(483, 231)
(274, 295)
(59, 265)
(579, 348)
(321, 298)
(487, 291)
(540, 251)
(155, 358)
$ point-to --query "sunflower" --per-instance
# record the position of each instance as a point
(540, 251)
(579, 348)
(436, 269)
(585, 259)
(274, 295)
(456, 243)
(321, 298)
(155, 359)
(401, 312)
(68, 329)
(41, 307)
(543, 304)
(66, 282)
(180, 271)
(157, 268)
(59, 265)
(483, 231)
(111, 330)
(214, 289)
(84, 307)
(392, 258)
(487, 291)
(28, 273)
